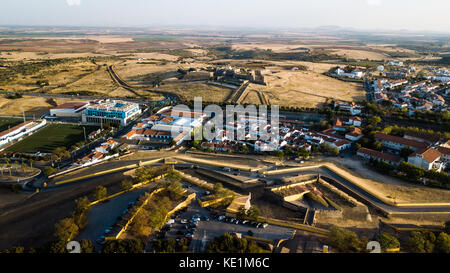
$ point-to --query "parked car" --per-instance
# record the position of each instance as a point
(227, 169)
(221, 217)
(107, 231)
(184, 221)
(258, 225)
(265, 225)
(245, 222)
(237, 222)
(250, 233)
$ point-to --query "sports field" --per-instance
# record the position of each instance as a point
(52, 137)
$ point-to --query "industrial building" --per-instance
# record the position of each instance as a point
(69, 110)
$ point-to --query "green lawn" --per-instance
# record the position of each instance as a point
(52, 137)
(5, 123)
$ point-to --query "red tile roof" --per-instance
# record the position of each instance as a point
(430, 154)
(380, 155)
(400, 140)
(444, 150)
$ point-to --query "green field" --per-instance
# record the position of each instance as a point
(5, 123)
(52, 137)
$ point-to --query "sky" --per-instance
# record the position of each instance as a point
(414, 15)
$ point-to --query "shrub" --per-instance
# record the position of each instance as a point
(387, 240)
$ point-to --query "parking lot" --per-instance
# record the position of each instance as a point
(207, 226)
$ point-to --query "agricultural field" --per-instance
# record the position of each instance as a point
(52, 137)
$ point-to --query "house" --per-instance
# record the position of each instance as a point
(395, 63)
(354, 134)
(352, 107)
(398, 143)
(427, 158)
(341, 144)
(338, 126)
(445, 154)
(93, 134)
(421, 137)
(376, 155)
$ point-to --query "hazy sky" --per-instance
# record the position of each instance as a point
(361, 14)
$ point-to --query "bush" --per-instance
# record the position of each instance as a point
(345, 240)
(123, 246)
(49, 171)
(387, 240)
(100, 192)
(421, 242)
(126, 185)
(231, 244)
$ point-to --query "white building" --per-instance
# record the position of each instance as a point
(20, 130)
(427, 159)
(395, 63)
(110, 111)
(69, 109)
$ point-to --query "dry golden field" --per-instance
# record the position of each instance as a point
(31, 105)
(305, 88)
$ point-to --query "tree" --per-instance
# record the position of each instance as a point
(66, 229)
(411, 171)
(406, 151)
(244, 149)
(443, 243)
(82, 204)
(123, 246)
(87, 246)
(345, 240)
(447, 227)
(374, 120)
(387, 240)
(241, 214)
(421, 242)
(49, 171)
(218, 188)
(302, 152)
(100, 192)
(253, 213)
(231, 244)
(126, 185)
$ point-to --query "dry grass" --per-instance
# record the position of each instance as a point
(360, 54)
(31, 105)
(305, 88)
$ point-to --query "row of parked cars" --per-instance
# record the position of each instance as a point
(231, 220)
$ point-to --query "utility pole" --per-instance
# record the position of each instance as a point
(84, 130)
